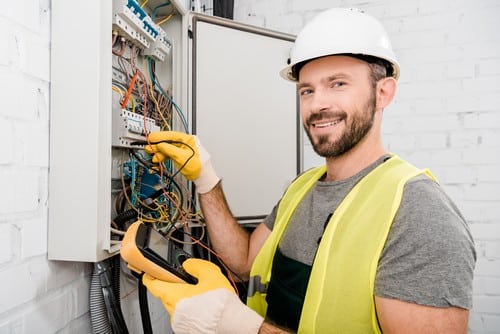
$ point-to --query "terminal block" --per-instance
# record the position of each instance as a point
(130, 129)
(160, 48)
(132, 22)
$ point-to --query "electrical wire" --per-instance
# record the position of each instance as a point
(156, 83)
(153, 14)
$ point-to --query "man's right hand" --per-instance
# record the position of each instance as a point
(192, 160)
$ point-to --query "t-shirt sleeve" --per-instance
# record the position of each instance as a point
(269, 220)
(429, 255)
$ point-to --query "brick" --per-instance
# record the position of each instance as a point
(492, 286)
(80, 290)
(288, 23)
(486, 231)
(430, 106)
(482, 84)
(481, 156)
(34, 138)
(432, 89)
(12, 325)
(483, 192)
(18, 276)
(433, 141)
(304, 6)
(7, 140)
(17, 198)
(83, 325)
(481, 120)
(492, 322)
(33, 240)
(464, 138)
(7, 40)
(398, 142)
(490, 138)
(62, 273)
(435, 22)
(431, 6)
(472, 210)
(35, 56)
(400, 9)
(475, 323)
(490, 268)
(23, 12)
(8, 238)
(488, 67)
(492, 251)
(480, 50)
(430, 55)
(459, 175)
(490, 211)
(485, 23)
(461, 69)
(50, 313)
(11, 93)
(486, 304)
(461, 104)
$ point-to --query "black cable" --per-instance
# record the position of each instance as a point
(113, 307)
(218, 259)
(143, 304)
(170, 142)
(124, 217)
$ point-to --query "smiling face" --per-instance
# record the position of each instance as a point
(337, 103)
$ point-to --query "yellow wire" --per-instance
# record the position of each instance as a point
(144, 3)
(166, 19)
(155, 101)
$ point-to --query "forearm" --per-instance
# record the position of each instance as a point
(268, 328)
(229, 239)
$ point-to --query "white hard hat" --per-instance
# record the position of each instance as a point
(341, 31)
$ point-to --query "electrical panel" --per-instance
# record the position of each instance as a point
(149, 66)
(111, 86)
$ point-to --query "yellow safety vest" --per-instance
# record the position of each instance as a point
(340, 292)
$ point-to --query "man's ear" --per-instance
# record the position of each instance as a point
(386, 89)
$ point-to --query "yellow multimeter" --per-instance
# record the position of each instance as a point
(146, 251)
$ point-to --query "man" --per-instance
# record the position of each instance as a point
(365, 244)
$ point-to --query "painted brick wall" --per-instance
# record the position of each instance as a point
(446, 115)
(37, 295)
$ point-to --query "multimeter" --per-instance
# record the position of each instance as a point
(147, 251)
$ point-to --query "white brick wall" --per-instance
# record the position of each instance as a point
(446, 115)
(37, 295)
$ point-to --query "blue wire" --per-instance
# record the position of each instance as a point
(177, 108)
(153, 15)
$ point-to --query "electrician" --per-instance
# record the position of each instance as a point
(366, 243)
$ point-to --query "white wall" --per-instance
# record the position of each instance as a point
(37, 295)
(446, 115)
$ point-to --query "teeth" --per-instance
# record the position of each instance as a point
(324, 125)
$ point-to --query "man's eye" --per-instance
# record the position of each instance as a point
(306, 91)
(338, 84)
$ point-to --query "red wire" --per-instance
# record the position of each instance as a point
(129, 90)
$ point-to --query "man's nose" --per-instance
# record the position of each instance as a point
(320, 101)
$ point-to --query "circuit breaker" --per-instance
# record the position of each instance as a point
(151, 66)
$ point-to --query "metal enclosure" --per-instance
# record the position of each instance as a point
(244, 113)
(248, 122)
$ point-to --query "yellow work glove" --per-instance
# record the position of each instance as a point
(189, 157)
(210, 306)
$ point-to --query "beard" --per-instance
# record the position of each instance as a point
(356, 128)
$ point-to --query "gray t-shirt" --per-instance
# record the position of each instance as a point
(429, 255)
